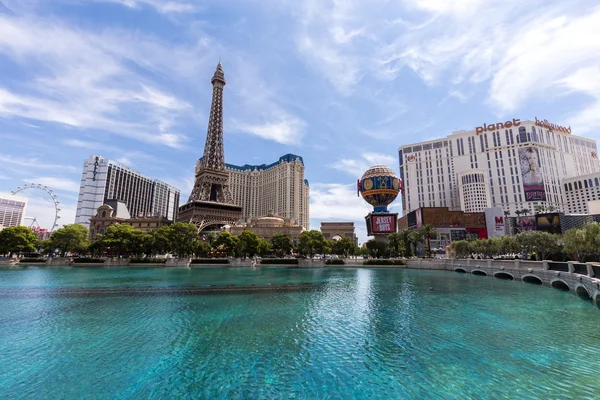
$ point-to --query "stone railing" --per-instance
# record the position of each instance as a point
(580, 278)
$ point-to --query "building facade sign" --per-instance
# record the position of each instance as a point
(494, 127)
(494, 220)
(552, 127)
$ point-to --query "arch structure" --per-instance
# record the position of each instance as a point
(560, 284)
(531, 278)
(504, 275)
(479, 272)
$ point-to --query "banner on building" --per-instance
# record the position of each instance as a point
(494, 221)
(531, 174)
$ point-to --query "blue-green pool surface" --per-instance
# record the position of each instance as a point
(130, 333)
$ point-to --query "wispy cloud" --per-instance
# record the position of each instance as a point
(88, 81)
(34, 163)
(56, 183)
(286, 130)
(162, 6)
(356, 167)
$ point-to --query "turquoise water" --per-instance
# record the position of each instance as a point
(74, 333)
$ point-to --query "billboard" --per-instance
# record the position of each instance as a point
(415, 219)
(494, 221)
(531, 174)
(525, 224)
(442, 217)
(381, 223)
(548, 223)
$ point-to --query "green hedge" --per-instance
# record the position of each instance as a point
(279, 261)
(383, 262)
(147, 260)
(210, 261)
(335, 262)
(89, 260)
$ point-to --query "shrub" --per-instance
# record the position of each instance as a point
(88, 260)
(335, 262)
(383, 262)
(279, 261)
(210, 261)
(26, 260)
(147, 260)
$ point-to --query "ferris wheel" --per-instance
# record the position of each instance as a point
(50, 194)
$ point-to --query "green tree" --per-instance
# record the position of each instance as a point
(264, 247)
(343, 247)
(226, 242)
(377, 249)
(406, 237)
(17, 239)
(312, 242)
(161, 240)
(182, 238)
(490, 247)
(426, 232)
(477, 247)
(396, 244)
(201, 248)
(575, 244)
(70, 239)
(509, 245)
(461, 247)
(540, 243)
(248, 243)
(282, 244)
(119, 239)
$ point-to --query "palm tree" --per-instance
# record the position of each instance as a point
(518, 212)
(525, 211)
(426, 232)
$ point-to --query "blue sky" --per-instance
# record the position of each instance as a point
(342, 83)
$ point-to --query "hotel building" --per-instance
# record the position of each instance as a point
(579, 191)
(513, 165)
(278, 188)
(12, 210)
(103, 179)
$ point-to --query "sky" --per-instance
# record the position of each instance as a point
(342, 83)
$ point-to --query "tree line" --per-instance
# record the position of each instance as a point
(179, 239)
(575, 244)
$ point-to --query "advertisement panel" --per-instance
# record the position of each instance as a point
(548, 223)
(494, 220)
(525, 224)
(381, 223)
(531, 173)
(415, 219)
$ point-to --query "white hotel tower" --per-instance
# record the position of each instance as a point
(103, 179)
(513, 165)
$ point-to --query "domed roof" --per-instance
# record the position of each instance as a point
(269, 220)
(378, 170)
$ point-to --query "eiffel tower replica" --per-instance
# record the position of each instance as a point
(211, 204)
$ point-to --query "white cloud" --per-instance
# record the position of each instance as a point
(33, 163)
(357, 167)
(162, 6)
(286, 130)
(337, 202)
(89, 80)
(55, 183)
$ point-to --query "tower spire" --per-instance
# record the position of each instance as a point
(214, 157)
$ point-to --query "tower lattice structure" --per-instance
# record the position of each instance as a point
(212, 180)
(211, 202)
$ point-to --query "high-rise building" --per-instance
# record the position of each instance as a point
(515, 165)
(278, 188)
(104, 179)
(12, 210)
(579, 191)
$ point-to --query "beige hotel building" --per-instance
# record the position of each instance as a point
(278, 188)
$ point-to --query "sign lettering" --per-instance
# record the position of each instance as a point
(552, 127)
(494, 127)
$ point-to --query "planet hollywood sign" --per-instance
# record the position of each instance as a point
(494, 127)
(552, 127)
(516, 122)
